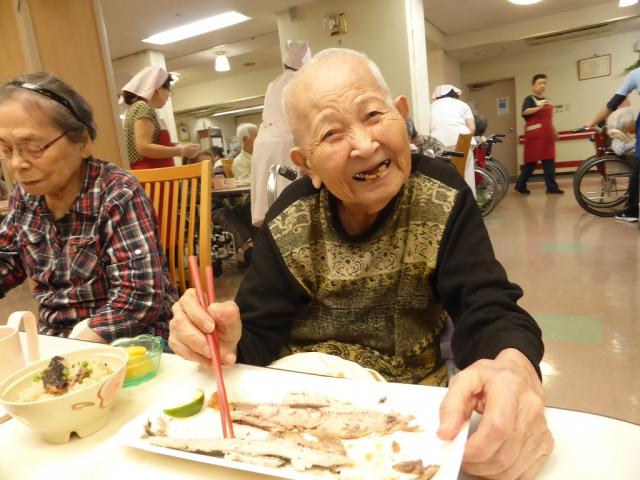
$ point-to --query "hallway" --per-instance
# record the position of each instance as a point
(580, 277)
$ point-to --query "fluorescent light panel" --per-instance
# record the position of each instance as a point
(196, 28)
(627, 3)
(524, 2)
(239, 110)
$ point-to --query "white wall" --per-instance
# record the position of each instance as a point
(559, 61)
(442, 69)
(222, 91)
(375, 27)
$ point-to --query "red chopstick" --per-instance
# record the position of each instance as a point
(214, 343)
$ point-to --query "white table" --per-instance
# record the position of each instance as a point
(587, 446)
(231, 191)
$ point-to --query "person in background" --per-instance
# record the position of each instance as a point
(274, 140)
(539, 138)
(82, 230)
(148, 144)
(218, 156)
(621, 127)
(367, 256)
(200, 157)
(413, 135)
(450, 117)
(631, 83)
(246, 133)
(236, 219)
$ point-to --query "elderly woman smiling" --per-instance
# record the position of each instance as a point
(365, 258)
(81, 229)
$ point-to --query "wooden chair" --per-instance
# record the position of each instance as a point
(464, 142)
(174, 192)
(226, 164)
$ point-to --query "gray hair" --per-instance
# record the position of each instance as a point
(326, 54)
(74, 120)
(245, 130)
(622, 119)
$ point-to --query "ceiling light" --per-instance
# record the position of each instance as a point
(222, 62)
(627, 3)
(524, 2)
(259, 108)
(196, 28)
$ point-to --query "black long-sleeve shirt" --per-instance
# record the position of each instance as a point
(381, 298)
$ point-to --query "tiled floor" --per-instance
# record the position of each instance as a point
(580, 278)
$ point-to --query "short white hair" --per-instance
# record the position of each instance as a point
(622, 119)
(245, 130)
(327, 54)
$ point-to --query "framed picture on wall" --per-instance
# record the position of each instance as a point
(183, 132)
(594, 67)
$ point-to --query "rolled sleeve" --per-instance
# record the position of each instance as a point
(630, 83)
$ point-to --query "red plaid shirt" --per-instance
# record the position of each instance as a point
(101, 261)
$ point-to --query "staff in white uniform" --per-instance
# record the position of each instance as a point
(450, 117)
(274, 140)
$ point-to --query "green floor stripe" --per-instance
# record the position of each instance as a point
(562, 247)
(497, 218)
(570, 328)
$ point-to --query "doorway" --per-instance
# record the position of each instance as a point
(497, 103)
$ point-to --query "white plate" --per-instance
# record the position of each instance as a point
(253, 384)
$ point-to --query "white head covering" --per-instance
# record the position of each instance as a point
(145, 82)
(444, 89)
(296, 53)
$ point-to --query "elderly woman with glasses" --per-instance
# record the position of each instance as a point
(81, 229)
(148, 144)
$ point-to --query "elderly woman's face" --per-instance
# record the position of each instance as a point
(352, 138)
(59, 166)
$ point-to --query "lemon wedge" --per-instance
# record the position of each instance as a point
(187, 409)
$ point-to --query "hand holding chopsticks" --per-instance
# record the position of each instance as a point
(214, 344)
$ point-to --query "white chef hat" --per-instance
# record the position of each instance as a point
(442, 90)
(296, 53)
(145, 82)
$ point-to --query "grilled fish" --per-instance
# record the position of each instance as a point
(341, 421)
(301, 456)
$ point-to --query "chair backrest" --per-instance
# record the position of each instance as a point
(181, 197)
(226, 164)
(464, 142)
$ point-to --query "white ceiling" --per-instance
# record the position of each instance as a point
(256, 41)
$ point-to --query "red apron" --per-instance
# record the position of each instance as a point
(143, 163)
(539, 136)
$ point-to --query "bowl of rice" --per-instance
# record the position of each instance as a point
(70, 393)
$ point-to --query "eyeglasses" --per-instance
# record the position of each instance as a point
(55, 97)
(28, 151)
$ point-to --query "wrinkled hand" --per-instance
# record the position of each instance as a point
(512, 440)
(191, 323)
